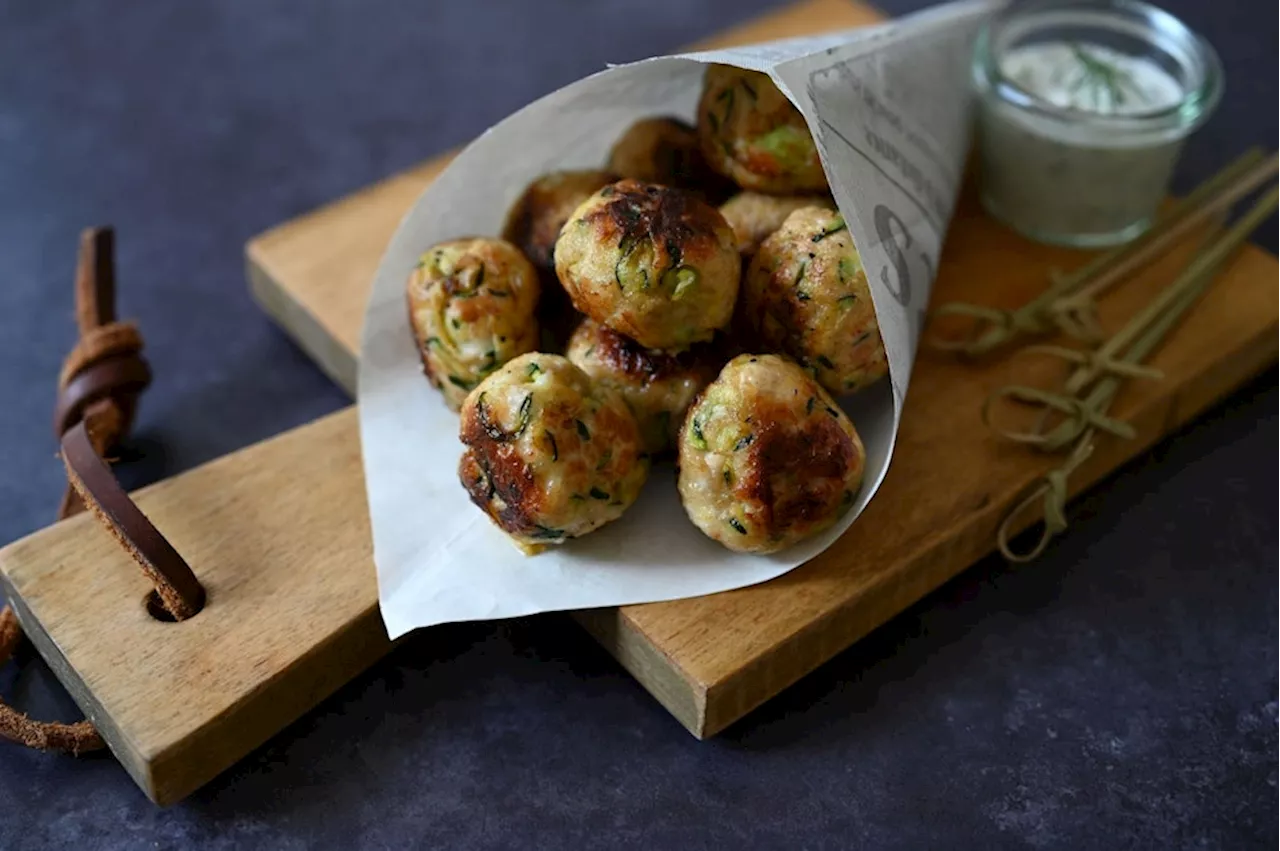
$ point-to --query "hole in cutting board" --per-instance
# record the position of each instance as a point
(156, 609)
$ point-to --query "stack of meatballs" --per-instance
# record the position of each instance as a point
(697, 299)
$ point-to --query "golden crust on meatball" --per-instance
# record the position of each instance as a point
(754, 215)
(666, 150)
(766, 458)
(806, 295)
(652, 262)
(472, 304)
(549, 455)
(752, 134)
(657, 386)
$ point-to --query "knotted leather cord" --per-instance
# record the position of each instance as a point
(99, 386)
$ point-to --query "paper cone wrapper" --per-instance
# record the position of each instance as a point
(890, 109)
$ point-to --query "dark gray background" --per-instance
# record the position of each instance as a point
(1121, 692)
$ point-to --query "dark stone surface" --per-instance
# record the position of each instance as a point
(1119, 693)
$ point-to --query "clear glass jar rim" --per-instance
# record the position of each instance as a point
(1195, 105)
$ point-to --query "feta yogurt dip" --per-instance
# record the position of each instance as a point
(1083, 111)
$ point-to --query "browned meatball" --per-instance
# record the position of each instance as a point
(654, 263)
(754, 216)
(665, 150)
(549, 455)
(534, 223)
(806, 295)
(766, 458)
(751, 133)
(657, 386)
(471, 306)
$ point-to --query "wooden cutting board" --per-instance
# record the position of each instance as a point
(279, 533)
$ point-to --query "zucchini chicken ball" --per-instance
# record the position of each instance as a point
(754, 215)
(766, 458)
(666, 150)
(549, 455)
(472, 304)
(658, 386)
(751, 133)
(652, 262)
(532, 225)
(806, 295)
(534, 222)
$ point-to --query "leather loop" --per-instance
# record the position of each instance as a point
(74, 739)
(98, 390)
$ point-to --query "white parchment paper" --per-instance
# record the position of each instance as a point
(889, 107)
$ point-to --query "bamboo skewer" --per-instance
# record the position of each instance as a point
(1117, 359)
(1055, 308)
(1077, 312)
(1121, 356)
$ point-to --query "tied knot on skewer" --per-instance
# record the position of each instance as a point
(991, 329)
(1080, 414)
(1076, 315)
(1075, 411)
(1084, 399)
(1051, 492)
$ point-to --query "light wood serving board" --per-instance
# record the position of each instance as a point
(279, 533)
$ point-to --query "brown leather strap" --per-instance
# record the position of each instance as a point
(99, 386)
(111, 378)
(180, 592)
(76, 738)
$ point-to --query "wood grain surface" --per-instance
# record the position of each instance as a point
(280, 539)
(279, 532)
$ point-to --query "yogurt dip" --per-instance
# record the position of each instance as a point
(1091, 78)
(1078, 139)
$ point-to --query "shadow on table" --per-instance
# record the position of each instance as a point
(1037, 663)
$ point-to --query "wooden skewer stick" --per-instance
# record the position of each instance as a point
(1081, 306)
(1051, 491)
(1119, 356)
(996, 327)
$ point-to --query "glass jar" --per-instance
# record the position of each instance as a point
(1083, 108)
